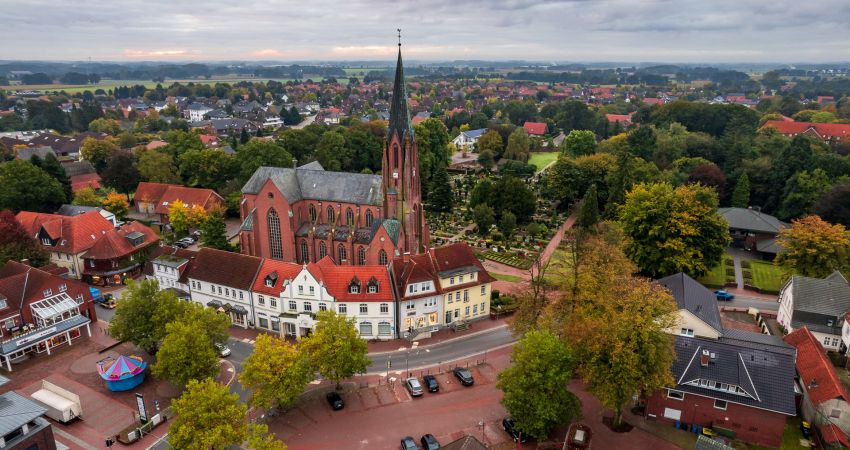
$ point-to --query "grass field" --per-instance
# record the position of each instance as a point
(716, 277)
(504, 277)
(766, 276)
(111, 84)
(541, 159)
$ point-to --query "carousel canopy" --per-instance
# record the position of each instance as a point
(122, 367)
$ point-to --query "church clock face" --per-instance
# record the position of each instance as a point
(395, 175)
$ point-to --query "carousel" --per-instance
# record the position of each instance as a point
(122, 373)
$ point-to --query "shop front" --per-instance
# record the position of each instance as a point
(41, 339)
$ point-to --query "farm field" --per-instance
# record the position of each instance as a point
(111, 84)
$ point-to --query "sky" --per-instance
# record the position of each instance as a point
(738, 31)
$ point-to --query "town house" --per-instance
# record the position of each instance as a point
(819, 304)
(223, 280)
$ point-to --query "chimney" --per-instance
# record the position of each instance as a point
(294, 163)
(704, 358)
(25, 262)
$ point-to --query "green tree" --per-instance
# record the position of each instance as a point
(97, 152)
(210, 167)
(432, 140)
(833, 205)
(142, 313)
(813, 247)
(207, 417)
(103, 125)
(16, 244)
(330, 148)
(486, 159)
(492, 141)
(484, 217)
(276, 372)
(186, 354)
(507, 225)
(563, 181)
(157, 167)
(641, 142)
(257, 153)
(535, 385)
(24, 186)
(802, 191)
(335, 349)
(579, 143)
(259, 437)
(514, 195)
(214, 232)
(518, 145)
(121, 172)
(442, 195)
(673, 230)
(53, 168)
(588, 215)
(741, 194)
(87, 197)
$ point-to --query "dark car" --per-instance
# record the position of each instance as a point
(430, 382)
(429, 442)
(464, 376)
(407, 443)
(413, 386)
(510, 428)
(335, 400)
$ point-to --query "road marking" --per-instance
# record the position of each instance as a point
(74, 439)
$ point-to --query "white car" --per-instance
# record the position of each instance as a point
(223, 350)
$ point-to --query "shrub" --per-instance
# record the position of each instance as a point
(745, 264)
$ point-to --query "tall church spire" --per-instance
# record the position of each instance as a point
(399, 116)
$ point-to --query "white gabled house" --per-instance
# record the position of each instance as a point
(467, 139)
(819, 304)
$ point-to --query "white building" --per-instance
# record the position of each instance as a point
(196, 111)
(223, 280)
(819, 304)
(466, 140)
(169, 267)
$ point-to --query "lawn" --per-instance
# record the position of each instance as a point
(505, 277)
(766, 276)
(510, 259)
(716, 277)
(541, 159)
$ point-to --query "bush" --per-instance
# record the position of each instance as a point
(748, 274)
(494, 295)
(728, 262)
(745, 264)
(730, 272)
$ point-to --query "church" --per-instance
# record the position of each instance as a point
(305, 213)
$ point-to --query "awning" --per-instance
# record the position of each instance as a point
(214, 304)
(41, 334)
(53, 306)
(239, 309)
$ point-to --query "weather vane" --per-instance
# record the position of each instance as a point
(399, 36)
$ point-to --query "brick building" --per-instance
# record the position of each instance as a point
(155, 198)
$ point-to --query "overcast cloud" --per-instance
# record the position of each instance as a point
(543, 30)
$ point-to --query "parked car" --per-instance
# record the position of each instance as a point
(223, 350)
(510, 428)
(184, 242)
(335, 400)
(429, 442)
(407, 443)
(413, 386)
(195, 235)
(724, 296)
(464, 376)
(430, 382)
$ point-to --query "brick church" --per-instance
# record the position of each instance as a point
(305, 213)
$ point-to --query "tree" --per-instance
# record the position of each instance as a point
(329, 149)
(514, 195)
(103, 125)
(116, 204)
(178, 217)
(588, 215)
(209, 167)
(579, 143)
(24, 186)
(16, 244)
(259, 437)
(157, 167)
(442, 195)
(708, 175)
(801, 193)
(207, 416)
(335, 348)
(97, 152)
(673, 230)
(187, 353)
(484, 217)
(256, 153)
(518, 145)
(87, 197)
(53, 168)
(276, 372)
(641, 142)
(833, 206)
(214, 232)
(507, 224)
(741, 194)
(535, 385)
(143, 312)
(486, 159)
(492, 141)
(197, 216)
(813, 247)
(120, 172)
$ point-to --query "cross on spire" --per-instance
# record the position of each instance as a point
(399, 36)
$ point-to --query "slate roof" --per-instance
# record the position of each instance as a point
(472, 134)
(752, 220)
(465, 443)
(820, 301)
(768, 246)
(314, 165)
(300, 184)
(28, 152)
(16, 410)
(765, 372)
(694, 297)
(399, 123)
(817, 374)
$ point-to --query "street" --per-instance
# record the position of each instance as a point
(752, 302)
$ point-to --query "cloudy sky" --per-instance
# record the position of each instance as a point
(541, 30)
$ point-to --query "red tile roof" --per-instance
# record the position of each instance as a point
(115, 245)
(21, 285)
(653, 101)
(159, 193)
(337, 279)
(150, 192)
(814, 365)
(623, 118)
(209, 140)
(414, 269)
(225, 268)
(456, 256)
(74, 234)
(535, 128)
(832, 434)
(824, 130)
(91, 180)
(283, 270)
(156, 144)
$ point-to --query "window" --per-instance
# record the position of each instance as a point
(47, 292)
(368, 217)
(835, 342)
(835, 414)
(687, 332)
(212, 289)
(466, 311)
(482, 307)
(373, 288)
(312, 213)
(384, 328)
(382, 258)
(457, 296)
(300, 289)
(452, 280)
(275, 243)
(323, 307)
(484, 290)
(361, 256)
(308, 306)
(385, 308)
(241, 296)
(275, 324)
(261, 300)
(826, 340)
(674, 394)
(3, 304)
(323, 250)
(63, 287)
(292, 305)
(264, 322)
(460, 280)
(410, 305)
(343, 308)
(365, 328)
(354, 286)
(227, 292)
(465, 295)
(475, 310)
(449, 298)
(330, 214)
(312, 290)
(305, 254)
(273, 302)
(219, 290)
(341, 253)
(364, 308)
(349, 217)
(720, 404)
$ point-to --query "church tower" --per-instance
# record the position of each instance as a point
(400, 171)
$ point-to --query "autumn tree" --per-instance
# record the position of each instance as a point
(97, 152)
(16, 244)
(276, 372)
(813, 247)
(673, 230)
(197, 216)
(116, 204)
(87, 197)
(741, 194)
(178, 217)
(103, 125)
(491, 141)
(142, 314)
(335, 349)
(535, 385)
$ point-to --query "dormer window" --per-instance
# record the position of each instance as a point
(271, 279)
(63, 287)
(354, 286)
(372, 285)
(3, 304)
(47, 292)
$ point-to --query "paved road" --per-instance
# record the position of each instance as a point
(741, 301)
(432, 355)
(307, 121)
